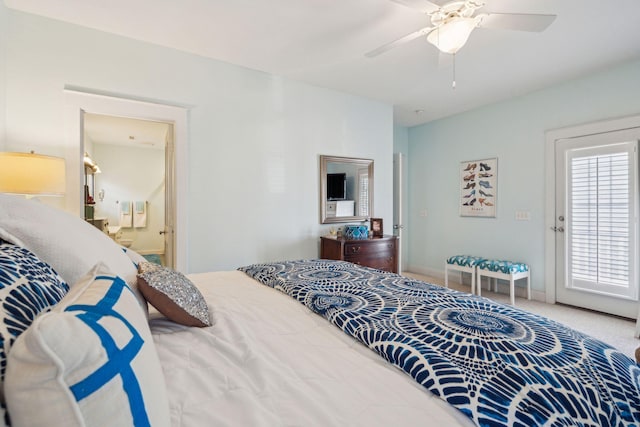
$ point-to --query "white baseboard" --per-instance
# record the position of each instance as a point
(425, 271)
(538, 296)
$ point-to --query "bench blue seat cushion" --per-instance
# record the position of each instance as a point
(506, 267)
(464, 260)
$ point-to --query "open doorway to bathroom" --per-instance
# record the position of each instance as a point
(81, 101)
(125, 183)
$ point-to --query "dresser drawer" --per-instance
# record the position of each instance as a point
(368, 247)
(380, 253)
(387, 263)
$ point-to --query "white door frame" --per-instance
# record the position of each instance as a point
(78, 102)
(398, 208)
(550, 186)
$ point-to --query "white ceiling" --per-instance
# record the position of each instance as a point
(322, 42)
(110, 130)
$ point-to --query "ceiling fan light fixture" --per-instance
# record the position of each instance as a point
(453, 34)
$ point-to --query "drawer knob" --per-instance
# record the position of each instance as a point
(355, 249)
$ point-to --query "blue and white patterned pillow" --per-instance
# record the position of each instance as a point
(90, 361)
(28, 286)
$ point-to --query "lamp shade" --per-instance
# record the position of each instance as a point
(29, 173)
(453, 34)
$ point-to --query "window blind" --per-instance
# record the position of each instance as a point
(601, 228)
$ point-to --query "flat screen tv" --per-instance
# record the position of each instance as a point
(336, 186)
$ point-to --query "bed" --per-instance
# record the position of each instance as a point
(291, 343)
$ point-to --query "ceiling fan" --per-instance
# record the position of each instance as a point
(453, 22)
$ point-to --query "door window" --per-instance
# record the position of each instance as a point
(601, 219)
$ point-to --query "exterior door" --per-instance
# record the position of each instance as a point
(596, 222)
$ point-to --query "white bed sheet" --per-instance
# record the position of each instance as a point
(269, 361)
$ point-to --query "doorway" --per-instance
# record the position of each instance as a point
(594, 222)
(79, 102)
(126, 198)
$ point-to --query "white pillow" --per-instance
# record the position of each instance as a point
(66, 242)
(134, 256)
(91, 361)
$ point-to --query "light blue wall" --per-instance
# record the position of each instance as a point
(400, 139)
(254, 138)
(514, 132)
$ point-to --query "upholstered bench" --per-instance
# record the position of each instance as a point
(462, 263)
(506, 270)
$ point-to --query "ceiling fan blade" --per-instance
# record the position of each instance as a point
(423, 6)
(516, 21)
(382, 49)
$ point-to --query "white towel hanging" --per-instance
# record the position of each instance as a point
(140, 214)
(126, 214)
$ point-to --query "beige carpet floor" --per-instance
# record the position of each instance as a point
(615, 331)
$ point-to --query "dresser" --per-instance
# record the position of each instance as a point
(375, 252)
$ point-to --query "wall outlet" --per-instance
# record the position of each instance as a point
(523, 216)
(423, 213)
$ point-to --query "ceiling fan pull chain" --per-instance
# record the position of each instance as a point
(453, 85)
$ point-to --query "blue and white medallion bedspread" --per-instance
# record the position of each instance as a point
(499, 365)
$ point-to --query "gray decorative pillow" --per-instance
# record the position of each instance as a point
(28, 286)
(173, 295)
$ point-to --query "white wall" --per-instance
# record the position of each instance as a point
(514, 132)
(3, 61)
(254, 138)
(132, 174)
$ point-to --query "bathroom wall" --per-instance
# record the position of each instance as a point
(131, 174)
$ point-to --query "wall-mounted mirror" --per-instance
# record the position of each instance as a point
(346, 189)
